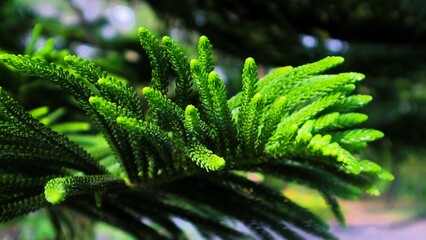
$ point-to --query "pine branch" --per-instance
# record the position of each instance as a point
(85, 68)
(58, 190)
(197, 129)
(205, 54)
(158, 58)
(21, 207)
(222, 119)
(166, 112)
(180, 64)
(72, 154)
(189, 159)
(205, 158)
(160, 140)
(120, 93)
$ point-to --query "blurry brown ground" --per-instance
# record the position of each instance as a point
(374, 219)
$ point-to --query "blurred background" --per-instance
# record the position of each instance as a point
(386, 40)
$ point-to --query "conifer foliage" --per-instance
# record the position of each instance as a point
(188, 160)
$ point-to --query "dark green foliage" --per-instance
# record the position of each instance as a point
(188, 161)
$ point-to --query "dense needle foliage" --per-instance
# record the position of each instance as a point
(185, 159)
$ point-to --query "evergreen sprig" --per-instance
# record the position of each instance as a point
(183, 159)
